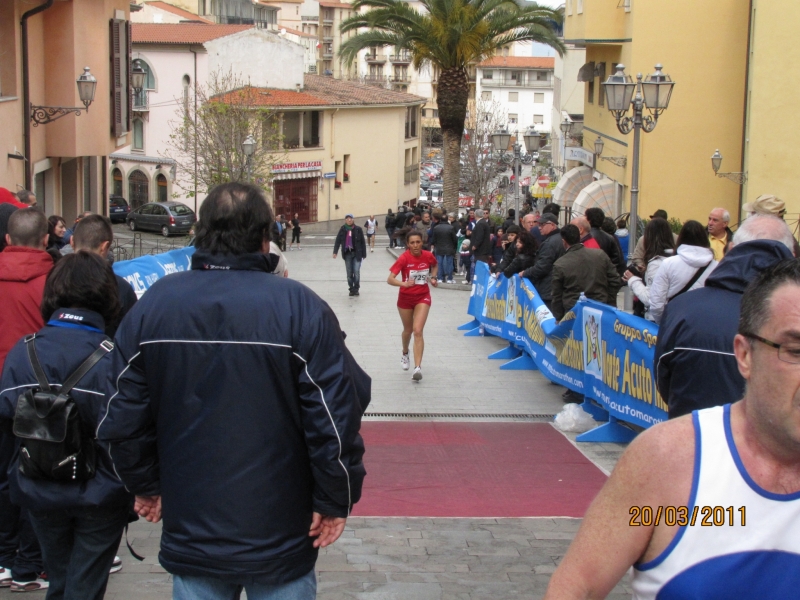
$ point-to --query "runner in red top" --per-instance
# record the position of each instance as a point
(418, 267)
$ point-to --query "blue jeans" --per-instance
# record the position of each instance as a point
(188, 587)
(445, 267)
(352, 262)
(78, 545)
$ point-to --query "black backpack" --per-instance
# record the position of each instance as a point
(53, 446)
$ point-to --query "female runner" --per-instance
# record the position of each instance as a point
(418, 267)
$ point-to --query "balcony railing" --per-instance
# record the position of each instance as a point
(508, 82)
(327, 54)
(314, 18)
(375, 58)
(327, 38)
(400, 58)
(376, 80)
(400, 79)
(411, 174)
(141, 101)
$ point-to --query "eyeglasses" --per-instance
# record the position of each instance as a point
(788, 353)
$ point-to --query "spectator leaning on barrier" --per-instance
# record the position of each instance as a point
(550, 251)
(608, 243)
(686, 271)
(744, 456)
(696, 333)
(581, 270)
(659, 245)
(586, 232)
(509, 249)
(264, 357)
(524, 255)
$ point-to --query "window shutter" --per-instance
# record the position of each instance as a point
(129, 87)
(121, 106)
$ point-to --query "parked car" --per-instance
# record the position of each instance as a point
(118, 209)
(166, 217)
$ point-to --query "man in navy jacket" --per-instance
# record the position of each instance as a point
(695, 339)
(235, 407)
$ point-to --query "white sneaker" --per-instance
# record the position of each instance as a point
(372, 249)
(465, 282)
(404, 362)
(417, 374)
(5, 577)
(30, 586)
(116, 566)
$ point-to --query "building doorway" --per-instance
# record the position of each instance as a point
(138, 189)
(297, 196)
(162, 188)
(116, 188)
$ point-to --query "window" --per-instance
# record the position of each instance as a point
(337, 182)
(186, 83)
(538, 119)
(580, 7)
(311, 129)
(569, 8)
(436, 113)
(138, 135)
(590, 92)
(486, 96)
(516, 76)
(121, 90)
(346, 174)
(513, 96)
(162, 187)
(291, 130)
(512, 119)
(488, 73)
(538, 98)
(8, 50)
(541, 75)
(179, 210)
(411, 121)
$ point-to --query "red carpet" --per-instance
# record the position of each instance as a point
(473, 470)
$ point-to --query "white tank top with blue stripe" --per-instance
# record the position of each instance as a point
(756, 560)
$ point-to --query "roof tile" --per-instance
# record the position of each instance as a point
(177, 11)
(520, 62)
(182, 33)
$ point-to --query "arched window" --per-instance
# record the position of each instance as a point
(187, 82)
(116, 175)
(138, 134)
(137, 189)
(162, 188)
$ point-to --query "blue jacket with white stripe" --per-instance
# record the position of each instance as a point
(234, 397)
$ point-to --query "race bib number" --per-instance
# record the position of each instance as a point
(419, 277)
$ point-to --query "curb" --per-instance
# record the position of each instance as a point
(396, 252)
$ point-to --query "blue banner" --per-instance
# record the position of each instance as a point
(144, 271)
(595, 350)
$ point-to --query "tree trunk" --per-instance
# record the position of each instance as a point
(452, 97)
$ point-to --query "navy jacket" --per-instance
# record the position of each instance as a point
(234, 397)
(359, 245)
(61, 349)
(541, 273)
(695, 338)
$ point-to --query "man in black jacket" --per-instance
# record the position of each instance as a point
(354, 249)
(481, 240)
(241, 408)
(444, 245)
(607, 244)
(541, 273)
(695, 337)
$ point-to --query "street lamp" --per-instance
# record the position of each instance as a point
(501, 139)
(599, 144)
(249, 148)
(138, 76)
(87, 84)
(653, 93)
(716, 163)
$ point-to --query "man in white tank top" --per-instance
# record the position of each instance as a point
(708, 505)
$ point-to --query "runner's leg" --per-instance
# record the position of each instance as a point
(420, 317)
(407, 316)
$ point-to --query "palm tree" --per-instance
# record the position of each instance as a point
(449, 35)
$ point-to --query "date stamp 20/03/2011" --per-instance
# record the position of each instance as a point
(705, 516)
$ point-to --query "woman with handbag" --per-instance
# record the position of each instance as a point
(53, 387)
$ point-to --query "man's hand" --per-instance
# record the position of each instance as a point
(334, 256)
(326, 529)
(148, 507)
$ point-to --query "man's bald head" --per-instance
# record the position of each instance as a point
(27, 227)
(582, 223)
(764, 227)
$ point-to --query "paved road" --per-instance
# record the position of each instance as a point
(414, 558)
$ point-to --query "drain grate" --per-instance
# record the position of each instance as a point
(459, 416)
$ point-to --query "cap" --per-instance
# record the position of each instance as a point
(349, 216)
(548, 218)
(659, 214)
(766, 204)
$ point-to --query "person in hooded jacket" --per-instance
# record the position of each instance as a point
(686, 271)
(659, 245)
(694, 363)
(78, 524)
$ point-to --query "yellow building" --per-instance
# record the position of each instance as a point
(772, 135)
(703, 47)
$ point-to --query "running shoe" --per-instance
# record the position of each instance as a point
(116, 566)
(404, 362)
(40, 583)
(372, 249)
(5, 577)
(417, 374)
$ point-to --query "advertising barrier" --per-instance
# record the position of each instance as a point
(596, 350)
(144, 271)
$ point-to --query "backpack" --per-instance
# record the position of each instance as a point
(53, 446)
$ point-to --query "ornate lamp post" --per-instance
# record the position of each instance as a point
(654, 94)
(716, 163)
(87, 84)
(249, 148)
(501, 139)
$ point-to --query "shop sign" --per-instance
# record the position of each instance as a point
(579, 154)
(296, 167)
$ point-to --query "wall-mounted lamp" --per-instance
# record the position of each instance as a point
(599, 144)
(87, 84)
(716, 163)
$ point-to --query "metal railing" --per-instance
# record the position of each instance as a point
(126, 249)
(375, 58)
(508, 82)
(141, 100)
(400, 58)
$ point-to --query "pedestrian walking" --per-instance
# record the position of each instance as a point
(262, 357)
(77, 505)
(296, 231)
(354, 249)
(417, 268)
(371, 227)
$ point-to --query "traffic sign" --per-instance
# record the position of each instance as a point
(329, 175)
(543, 181)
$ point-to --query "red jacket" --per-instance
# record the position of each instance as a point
(22, 275)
